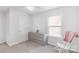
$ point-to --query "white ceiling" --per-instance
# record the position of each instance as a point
(21, 8)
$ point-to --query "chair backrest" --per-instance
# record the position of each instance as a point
(69, 36)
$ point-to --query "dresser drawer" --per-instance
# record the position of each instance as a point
(37, 37)
(38, 41)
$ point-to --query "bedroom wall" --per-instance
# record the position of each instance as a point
(2, 27)
(40, 19)
(18, 26)
(40, 22)
(70, 21)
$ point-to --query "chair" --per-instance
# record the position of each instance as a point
(67, 42)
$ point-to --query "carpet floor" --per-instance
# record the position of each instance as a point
(28, 47)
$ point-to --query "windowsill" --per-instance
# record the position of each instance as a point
(54, 36)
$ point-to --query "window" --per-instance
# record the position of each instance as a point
(54, 26)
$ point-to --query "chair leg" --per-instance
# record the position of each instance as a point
(59, 51)
(68, 49)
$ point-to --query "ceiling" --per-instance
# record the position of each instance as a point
(22, 8)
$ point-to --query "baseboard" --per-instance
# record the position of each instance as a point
(51, 43)
(2, 42)
(17, 42)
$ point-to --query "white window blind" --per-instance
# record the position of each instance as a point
(54, 26)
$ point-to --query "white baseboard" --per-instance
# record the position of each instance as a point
(2, 42)
(17, 42)
(51, 43)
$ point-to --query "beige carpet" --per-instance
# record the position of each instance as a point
(22, 47)
(27, 47)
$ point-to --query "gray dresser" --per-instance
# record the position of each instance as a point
(38, 38)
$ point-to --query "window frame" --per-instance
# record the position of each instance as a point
(58, 26)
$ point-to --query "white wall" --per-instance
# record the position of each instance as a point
(40, 22)
(70, 22)
(71, 19)
(18, 26)
(40, 19)
(2, 27)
